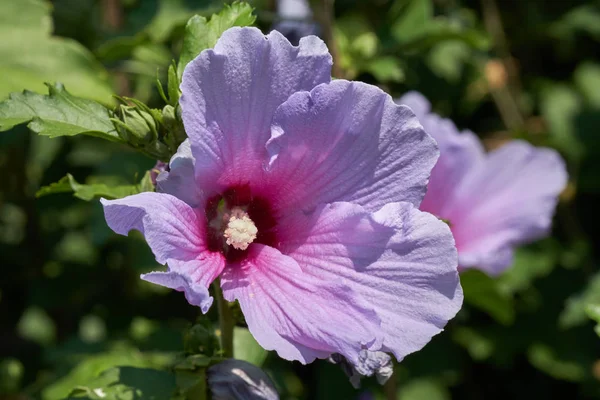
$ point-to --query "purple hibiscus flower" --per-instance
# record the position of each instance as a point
(302, 195)
(493, 202)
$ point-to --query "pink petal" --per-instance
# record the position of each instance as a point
(460, 152)
(180, 180)
(399, 259)
(509, 200)
(348, 141)
(229, 95)
(175, 233)
(300, 317)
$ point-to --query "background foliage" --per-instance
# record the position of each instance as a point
(74, 314)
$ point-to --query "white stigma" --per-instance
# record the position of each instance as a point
(240, 230)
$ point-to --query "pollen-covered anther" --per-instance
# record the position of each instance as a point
(240, 230)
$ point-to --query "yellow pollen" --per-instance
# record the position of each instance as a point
(240, 230)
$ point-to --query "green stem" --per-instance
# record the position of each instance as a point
(225, 321)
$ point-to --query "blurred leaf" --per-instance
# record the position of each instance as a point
(90, 191)
(478, 345)
(414, 20)
(417, 28)
(201, 34)
(546, 359)
(57, 114)
(593, 311)
(386, 69)
(531, 262)
(484, 292)
(92, 329)
(585, 18)
(128, 383)
(37, 326)
(423, 389)
(587, 79)
(446, 59)
(11, 374)
(29, 56)
(246, 348)
(171, 13)
(574, 313)
(559, 105)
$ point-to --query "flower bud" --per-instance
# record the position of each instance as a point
(136, 126)
(240, 380)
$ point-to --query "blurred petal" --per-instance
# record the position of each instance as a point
(348, 141)
(510, 200)
(175, 233)
(239, 380)
(459, 153)
(229, 95)
(300, 317)
(399, 259)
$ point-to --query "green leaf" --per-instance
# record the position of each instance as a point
(30, 56)
(90, 191)
(414, 20)
(57, 114)
(531, 262)
(587, 79)
(593, 311)
(246, 348)
(575, 312)
(201, 34)
(448, 58)
(37, 326)
(546, 359)
(128, 383)
(486, 294)
(89, 374)
(386, 69)
(479, 346)
(559, 105)
(423, 389)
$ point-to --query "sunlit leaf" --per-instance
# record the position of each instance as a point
(57, 114)
(201, 33)
(90, 191)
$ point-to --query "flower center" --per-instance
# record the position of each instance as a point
(237, 218)
(240, 230)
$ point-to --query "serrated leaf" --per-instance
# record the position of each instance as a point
(57, 114)
(201, 34)
(89, 191)
(30, 56)
(486, 294)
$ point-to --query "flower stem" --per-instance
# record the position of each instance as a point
(225, 321)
